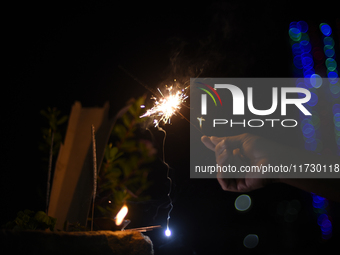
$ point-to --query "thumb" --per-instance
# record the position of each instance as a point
(207, 142)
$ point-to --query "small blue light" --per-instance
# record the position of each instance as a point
(335, 88)
(310, 136)
(329, 51)
(337, 119)
(336, 108)
(313, 100)
(328, 41)
(307, 59)
(331, 64)
(306, 48)
(293, 24)
(332, 75)
(321, 218)
(297, 62)
(295, 34)
(302, 26)
(308, 72)
(318, 199)
(307, 128)
(316, 80)
(325, 29)
(311, 147)
(304, 39)
(306, 120)
(309, 140)
(320, 204)
(296, 49)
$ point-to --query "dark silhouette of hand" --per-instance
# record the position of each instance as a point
(245, 149)
(251, 150)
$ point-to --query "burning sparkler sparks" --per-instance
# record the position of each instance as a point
(162, 111)
(166, 106)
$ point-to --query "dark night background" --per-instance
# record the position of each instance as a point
(56, 53)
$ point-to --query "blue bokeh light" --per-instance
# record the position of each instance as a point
(294, 34)
(251, 241)
(325, 29)
(242, 202)
(336, 108)
(313, 100)
(331, 64)
(329, 51)
(332, 75)
(316, 80)
(307, 59)
(302, 26)
(304, 63)
(337, 119)
(328, 41)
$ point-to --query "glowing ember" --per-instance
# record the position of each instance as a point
(167, 232)
(166, 106)
(121, 215)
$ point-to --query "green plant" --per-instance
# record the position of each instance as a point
(33, 221)
(54, 127)
(125, 169)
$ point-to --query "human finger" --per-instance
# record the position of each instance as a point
(207, 142)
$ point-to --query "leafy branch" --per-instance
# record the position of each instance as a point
(125, 170)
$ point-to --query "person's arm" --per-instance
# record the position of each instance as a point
(255, 150)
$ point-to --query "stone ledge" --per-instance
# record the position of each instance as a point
(92, 242)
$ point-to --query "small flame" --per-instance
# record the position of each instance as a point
(121, 215)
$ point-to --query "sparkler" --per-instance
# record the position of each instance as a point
(162, 111)
(166, 106)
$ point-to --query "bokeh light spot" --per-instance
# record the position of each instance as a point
(337, 119)
(302, 26)
(325, 29)
(251, 241)
(336, 108)
(295, 34)
(297, 62)
(313, 100)
(328, 41)
(304, 39)
(242, 202)
(335, 88)
(331, 64)
(329, 51)
(332, 75)
(316, 80)
(307, 60)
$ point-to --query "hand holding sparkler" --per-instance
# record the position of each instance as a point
(247, 149)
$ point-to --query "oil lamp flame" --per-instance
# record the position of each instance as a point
(121, 215)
